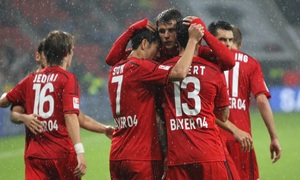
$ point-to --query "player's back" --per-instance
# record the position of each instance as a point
(189, 113)
(50, 93)
(131, 88)
(245, 78)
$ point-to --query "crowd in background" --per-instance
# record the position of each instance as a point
(95, 25)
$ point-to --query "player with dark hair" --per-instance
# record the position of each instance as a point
(221, 27)
(245, 78)
(166, 26)
(32, 122)
(135, 151)
(53, 93)
(190, 108)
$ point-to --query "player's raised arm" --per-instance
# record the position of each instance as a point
(220, 53)
(118, 50)
(182, 67)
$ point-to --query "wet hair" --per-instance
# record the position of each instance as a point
(41, 47)
(182, 34)
(237, 35)
(57, 45)
(168, 15)
(138, 36)
(214, 26)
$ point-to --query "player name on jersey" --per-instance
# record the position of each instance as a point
(43, 78)
(196, 70)
(118, 70)
(241, 57)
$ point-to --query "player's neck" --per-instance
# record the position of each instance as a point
(136, 54)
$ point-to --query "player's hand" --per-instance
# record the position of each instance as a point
(193, 19)
(80, 170)
(32, 123)
(165, 169)
(244, 139)
(275, 150)
(109, 131)
(196, 32)
(151, 26)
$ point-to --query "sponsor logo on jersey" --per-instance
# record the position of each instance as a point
(164, 67)
(76, 102)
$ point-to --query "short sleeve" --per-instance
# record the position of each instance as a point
(222, 97)
(71, 96)
(257, 81)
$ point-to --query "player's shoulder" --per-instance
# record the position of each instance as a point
(142, 63)
(62, 73)
(172, 61)
(243, 56)
(204, 62)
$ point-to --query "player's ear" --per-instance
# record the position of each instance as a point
(144, 44)
(37, 56)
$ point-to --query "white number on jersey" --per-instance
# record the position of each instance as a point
(119, 80)
(179, 107)
(235, 79)
(41, 98)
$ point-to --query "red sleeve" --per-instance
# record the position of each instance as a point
(220, 53)
(118, 50)
(222, 98)
(257, 81)
(151, 71)
(17, 94)
(71, 96)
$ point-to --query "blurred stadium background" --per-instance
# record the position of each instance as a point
(271, 34)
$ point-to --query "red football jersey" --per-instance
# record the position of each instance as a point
(51, 93)
(191, 129)
(131, 86)
(245, 78)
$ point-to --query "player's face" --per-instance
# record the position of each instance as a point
(226, 37)
(167, 33)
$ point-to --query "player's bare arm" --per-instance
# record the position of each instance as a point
(31, 121)
(267, 115)
(72, 124)
(222, 113)
(91, 124)
(18, 116)
(242, 137)
(181, 68)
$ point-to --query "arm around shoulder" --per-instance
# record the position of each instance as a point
(118, 50)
